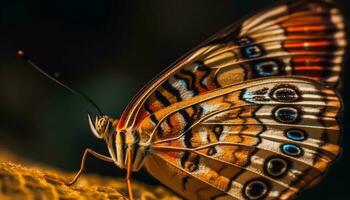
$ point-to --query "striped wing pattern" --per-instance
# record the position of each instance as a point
(225, 121)
(267, 138)
(305, 38)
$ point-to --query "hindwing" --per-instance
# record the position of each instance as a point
(268, 138)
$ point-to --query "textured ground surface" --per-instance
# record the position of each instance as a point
(31, 181)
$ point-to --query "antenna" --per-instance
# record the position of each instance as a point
(21, 54)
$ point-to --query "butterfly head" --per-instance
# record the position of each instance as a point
(101, 126)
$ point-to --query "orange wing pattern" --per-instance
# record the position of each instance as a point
(225, 121)
(305, 38)
(263, 139)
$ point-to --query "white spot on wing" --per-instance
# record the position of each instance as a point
(181, 86)
(203, 135)
(208, 108)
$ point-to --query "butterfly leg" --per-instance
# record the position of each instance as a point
(82, 164)
(128, 174)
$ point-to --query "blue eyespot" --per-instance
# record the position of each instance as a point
(267, 68)
(296, 134)
(252, 51)
(291, 149)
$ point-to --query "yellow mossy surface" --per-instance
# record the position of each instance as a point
(34, 181)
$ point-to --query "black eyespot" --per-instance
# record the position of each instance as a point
(276, 167)
(286, 114)
(285, 93)
(255, 189)
(292, 149)
(296, 134)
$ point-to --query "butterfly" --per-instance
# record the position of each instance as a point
(251, 113)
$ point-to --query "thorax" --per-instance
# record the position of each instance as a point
(128, 144)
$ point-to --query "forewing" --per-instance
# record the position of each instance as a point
(304, 38)
(262, 139)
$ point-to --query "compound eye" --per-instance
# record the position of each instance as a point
(102, 121)
(101, 124)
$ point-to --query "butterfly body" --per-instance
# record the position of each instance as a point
(234, 119)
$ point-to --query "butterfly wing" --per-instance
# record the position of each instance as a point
(262, 139)
(218, 134)
(305, 38)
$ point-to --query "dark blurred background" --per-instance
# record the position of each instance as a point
(108, 49)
